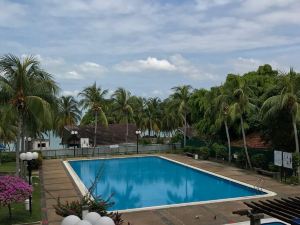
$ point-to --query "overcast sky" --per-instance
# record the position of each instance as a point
(149, 46)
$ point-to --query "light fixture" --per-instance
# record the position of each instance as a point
(70, 220)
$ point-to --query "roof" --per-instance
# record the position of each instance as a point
(112, 134)
(253, 140)
(285, 209)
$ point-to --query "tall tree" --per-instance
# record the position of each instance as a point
(240, 107)
(181, 98)
(288, 100)
(93, 98)
(27, 90)
(68, 113)
(223, 102)
(122, 106)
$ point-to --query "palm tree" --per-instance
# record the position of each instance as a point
(288, 99)
(68, 113)
(241, 105)
(222, 102)
(181, 98)
(153, 112)
(93, 98)
(122, 106)
(27, 90)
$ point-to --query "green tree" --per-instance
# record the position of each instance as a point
(288, 100)
(68, 113)
(240, 107)
(27, 90)
(122, 106)
(223, 117)
(181, 97)
(93, 99)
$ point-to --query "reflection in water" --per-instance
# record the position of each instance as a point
(153, 181)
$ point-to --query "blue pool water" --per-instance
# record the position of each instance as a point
(153, 181)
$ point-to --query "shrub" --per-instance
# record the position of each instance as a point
(144, 141)
(296, 162)
(293, 180)
(241, 160)
(176, 138)
(36, 164)
(159, 140)
(204, 152)
(8, 157)
(220, 151)
(272, 167)
(13, 189)
(259, 161)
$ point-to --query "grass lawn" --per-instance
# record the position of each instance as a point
(19, 214)
(8, 167)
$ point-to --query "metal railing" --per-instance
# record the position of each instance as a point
(108, 150)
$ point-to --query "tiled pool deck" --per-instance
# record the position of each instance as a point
(57, 182)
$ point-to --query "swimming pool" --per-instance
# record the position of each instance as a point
(152, 181)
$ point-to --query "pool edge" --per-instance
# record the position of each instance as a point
(84, 191)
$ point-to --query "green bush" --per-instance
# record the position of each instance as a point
(259, 161)
(220, 151)
(241, 160)
(272, 167)
(144, 141)
(8, 157)
(296, 162)
(36, 164)
(176, 138)
(204, 152)
(159, 140)
(292, 180)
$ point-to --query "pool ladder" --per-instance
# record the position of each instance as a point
(259, 184)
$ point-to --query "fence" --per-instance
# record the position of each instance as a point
(108, 149)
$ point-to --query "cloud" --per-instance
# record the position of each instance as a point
(12, 14)
(91, 67)
(149, 64)
(72, 93)
(206, 4)
(73, 75)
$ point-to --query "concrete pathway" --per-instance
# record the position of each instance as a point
(57, 183)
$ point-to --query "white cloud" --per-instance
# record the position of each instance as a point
(91, 67)
(73, 75)
(253, 6)
(72, 93)
(150, 63)
(12, 14)
(206, 4)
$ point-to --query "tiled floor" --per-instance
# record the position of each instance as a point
(57, 183)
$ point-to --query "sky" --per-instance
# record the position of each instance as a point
(150, 46)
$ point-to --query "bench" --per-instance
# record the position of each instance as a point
(266, 172)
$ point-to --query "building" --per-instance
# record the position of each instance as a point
(112, 134)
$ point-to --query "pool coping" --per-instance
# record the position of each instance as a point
(84, 191)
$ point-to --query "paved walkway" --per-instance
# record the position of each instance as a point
(58, 183)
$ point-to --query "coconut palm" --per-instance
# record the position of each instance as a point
(181, 98)
(153, 112)
(288, 99)
(223, 116)
(68, 113)
(241, 106)
(122, 106)
(93, 99)
(27, 90)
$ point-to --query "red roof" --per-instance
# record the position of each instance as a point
(253, 140)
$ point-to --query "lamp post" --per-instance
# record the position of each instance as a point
(74, 134)
(137, 132)
(28, 157)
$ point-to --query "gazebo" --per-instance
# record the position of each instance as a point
(284, 209)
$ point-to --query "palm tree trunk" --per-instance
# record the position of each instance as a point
(18, 146)
(228, 140)
(297, 145)
(184, 137)
(126, 139)
(95, 130)
(245, 144)
(296, 136)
